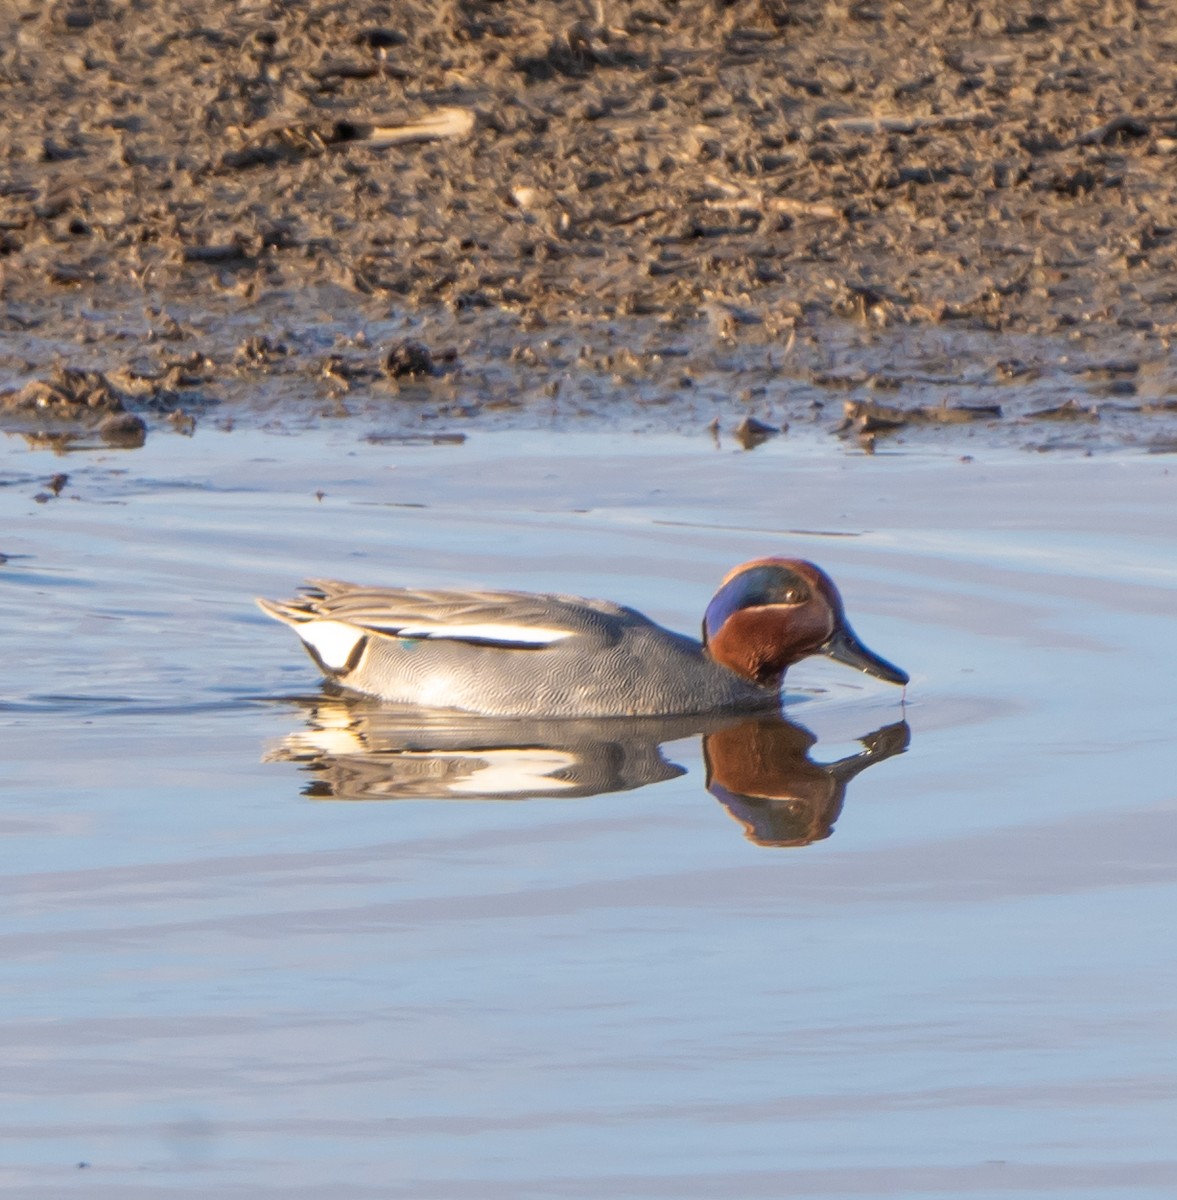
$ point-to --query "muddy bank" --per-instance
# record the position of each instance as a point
(651, 212)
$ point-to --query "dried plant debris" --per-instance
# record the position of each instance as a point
(1069, 410)
(380, 133)
(90, 404)
(67, 393)
(866, 416)
(260, 351)
(293, 141)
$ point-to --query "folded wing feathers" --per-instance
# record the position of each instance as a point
(484, 617)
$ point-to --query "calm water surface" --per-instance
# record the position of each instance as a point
(228, 969)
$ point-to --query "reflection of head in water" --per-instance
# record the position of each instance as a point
(759, 768)
(761, 772)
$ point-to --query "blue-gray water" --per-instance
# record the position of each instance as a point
(213, 984)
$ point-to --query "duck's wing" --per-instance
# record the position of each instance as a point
(515, 620)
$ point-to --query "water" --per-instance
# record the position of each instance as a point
(215, 979)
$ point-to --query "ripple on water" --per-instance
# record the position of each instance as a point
(931, 968)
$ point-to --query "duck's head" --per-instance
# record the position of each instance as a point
(773, 612)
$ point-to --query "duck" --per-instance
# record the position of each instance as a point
(520, 654)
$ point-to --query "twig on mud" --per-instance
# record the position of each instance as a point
(870, 125)
(296, 140)
(736, 197)
(1069, 410)
(814, 209)
(440, 124)
(1129, 125)
(868, 416)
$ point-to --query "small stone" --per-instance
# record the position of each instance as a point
(409, 360)
(750, 432)
(124, 431)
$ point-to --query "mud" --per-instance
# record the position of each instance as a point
(647, 213)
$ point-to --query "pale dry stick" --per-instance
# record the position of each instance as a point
(896, 124)
(439, 125)
(737, 197)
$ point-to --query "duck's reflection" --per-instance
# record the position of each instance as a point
(761, 772)
(758, 768)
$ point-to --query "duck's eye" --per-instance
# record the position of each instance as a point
(794, 595)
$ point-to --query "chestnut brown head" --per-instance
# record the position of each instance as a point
(773, 612)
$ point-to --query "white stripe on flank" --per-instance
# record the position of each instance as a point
(518, 635)
(333, 641)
